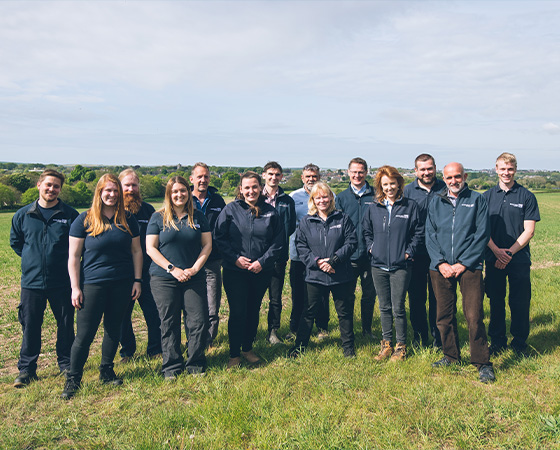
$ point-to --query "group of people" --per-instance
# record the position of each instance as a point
(423, 239)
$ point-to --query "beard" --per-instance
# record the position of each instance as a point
(132, 202)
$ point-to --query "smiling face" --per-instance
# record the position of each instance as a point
(251, 190)
(179, 195)
(357, 174)
(110, 195)
(426, 172)
(454, 176)
(309, 178)
(322, 201)
(200, 179)
(506, 172)
(272, 178)
(390, 187)
(49, 189)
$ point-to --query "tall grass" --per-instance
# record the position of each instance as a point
(320, 400)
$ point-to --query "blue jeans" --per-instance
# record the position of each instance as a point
(31, 310)
(391, 290)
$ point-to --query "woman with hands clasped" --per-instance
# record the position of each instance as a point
(250, 236)
(325, 240)
(179, 241)
(392, 231)
(105, 244)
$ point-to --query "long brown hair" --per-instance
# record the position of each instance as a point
(256, 210)
(390, 172)
(95, 221)
(167, 209)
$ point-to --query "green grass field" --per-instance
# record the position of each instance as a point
(320, 400)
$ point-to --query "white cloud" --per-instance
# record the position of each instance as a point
(551, 128)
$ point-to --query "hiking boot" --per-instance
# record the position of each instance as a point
(400, 352)
(24, 378)
(295, 352)
(251, 357)
(385, 352)
(486, 374)
(70, 388)
(322, 335)
(349, 353)
(108, 376)
(234, 363)
(273, 338)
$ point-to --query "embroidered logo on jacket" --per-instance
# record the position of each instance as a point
(516, 205)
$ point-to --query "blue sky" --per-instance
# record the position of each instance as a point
(245, 82)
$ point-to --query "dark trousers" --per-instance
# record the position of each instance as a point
(245, 291)
(104, 300)
(342, 296)
(31, 310)
(391, 289)
(362, 270)
(419, 281)
(275, 295)
(472, 290)
(299, 297)
(213, 270)
(151, 316)
(519, 277)
(172, 297)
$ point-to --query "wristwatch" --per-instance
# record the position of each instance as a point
(170, 267)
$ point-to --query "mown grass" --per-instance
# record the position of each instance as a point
(320, 400)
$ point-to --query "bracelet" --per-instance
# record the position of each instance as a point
(138, 280)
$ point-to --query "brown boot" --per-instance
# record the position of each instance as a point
(234, 363)
(251, 357)
(386, 351)
(400, 352)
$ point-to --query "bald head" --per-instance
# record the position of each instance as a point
(454, 176)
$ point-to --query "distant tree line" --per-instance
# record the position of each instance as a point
(18, 181)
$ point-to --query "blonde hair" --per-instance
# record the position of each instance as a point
(389, 172)
(507, 158)
(95, 221)
(127, 172)
(167, 210)
(323, 188)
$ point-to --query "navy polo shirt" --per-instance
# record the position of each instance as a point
(107, 256)
(508, 210)
(143, 217)
(180, 247)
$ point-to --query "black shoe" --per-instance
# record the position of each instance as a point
(108, 376)
(369, 335)
(443, 362)
(291, 336)
(24, 378)
(520, 352)
(486, 374)
(349, 353)
(295, 352)
(496, 349)
(70, 388)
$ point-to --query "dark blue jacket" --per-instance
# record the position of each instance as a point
(318, 239)
(423, 198)
(356, 206)
(240, 233)
(42, 245)
(390, 237)
(286, 208)
(212, 210)
(458, 234)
